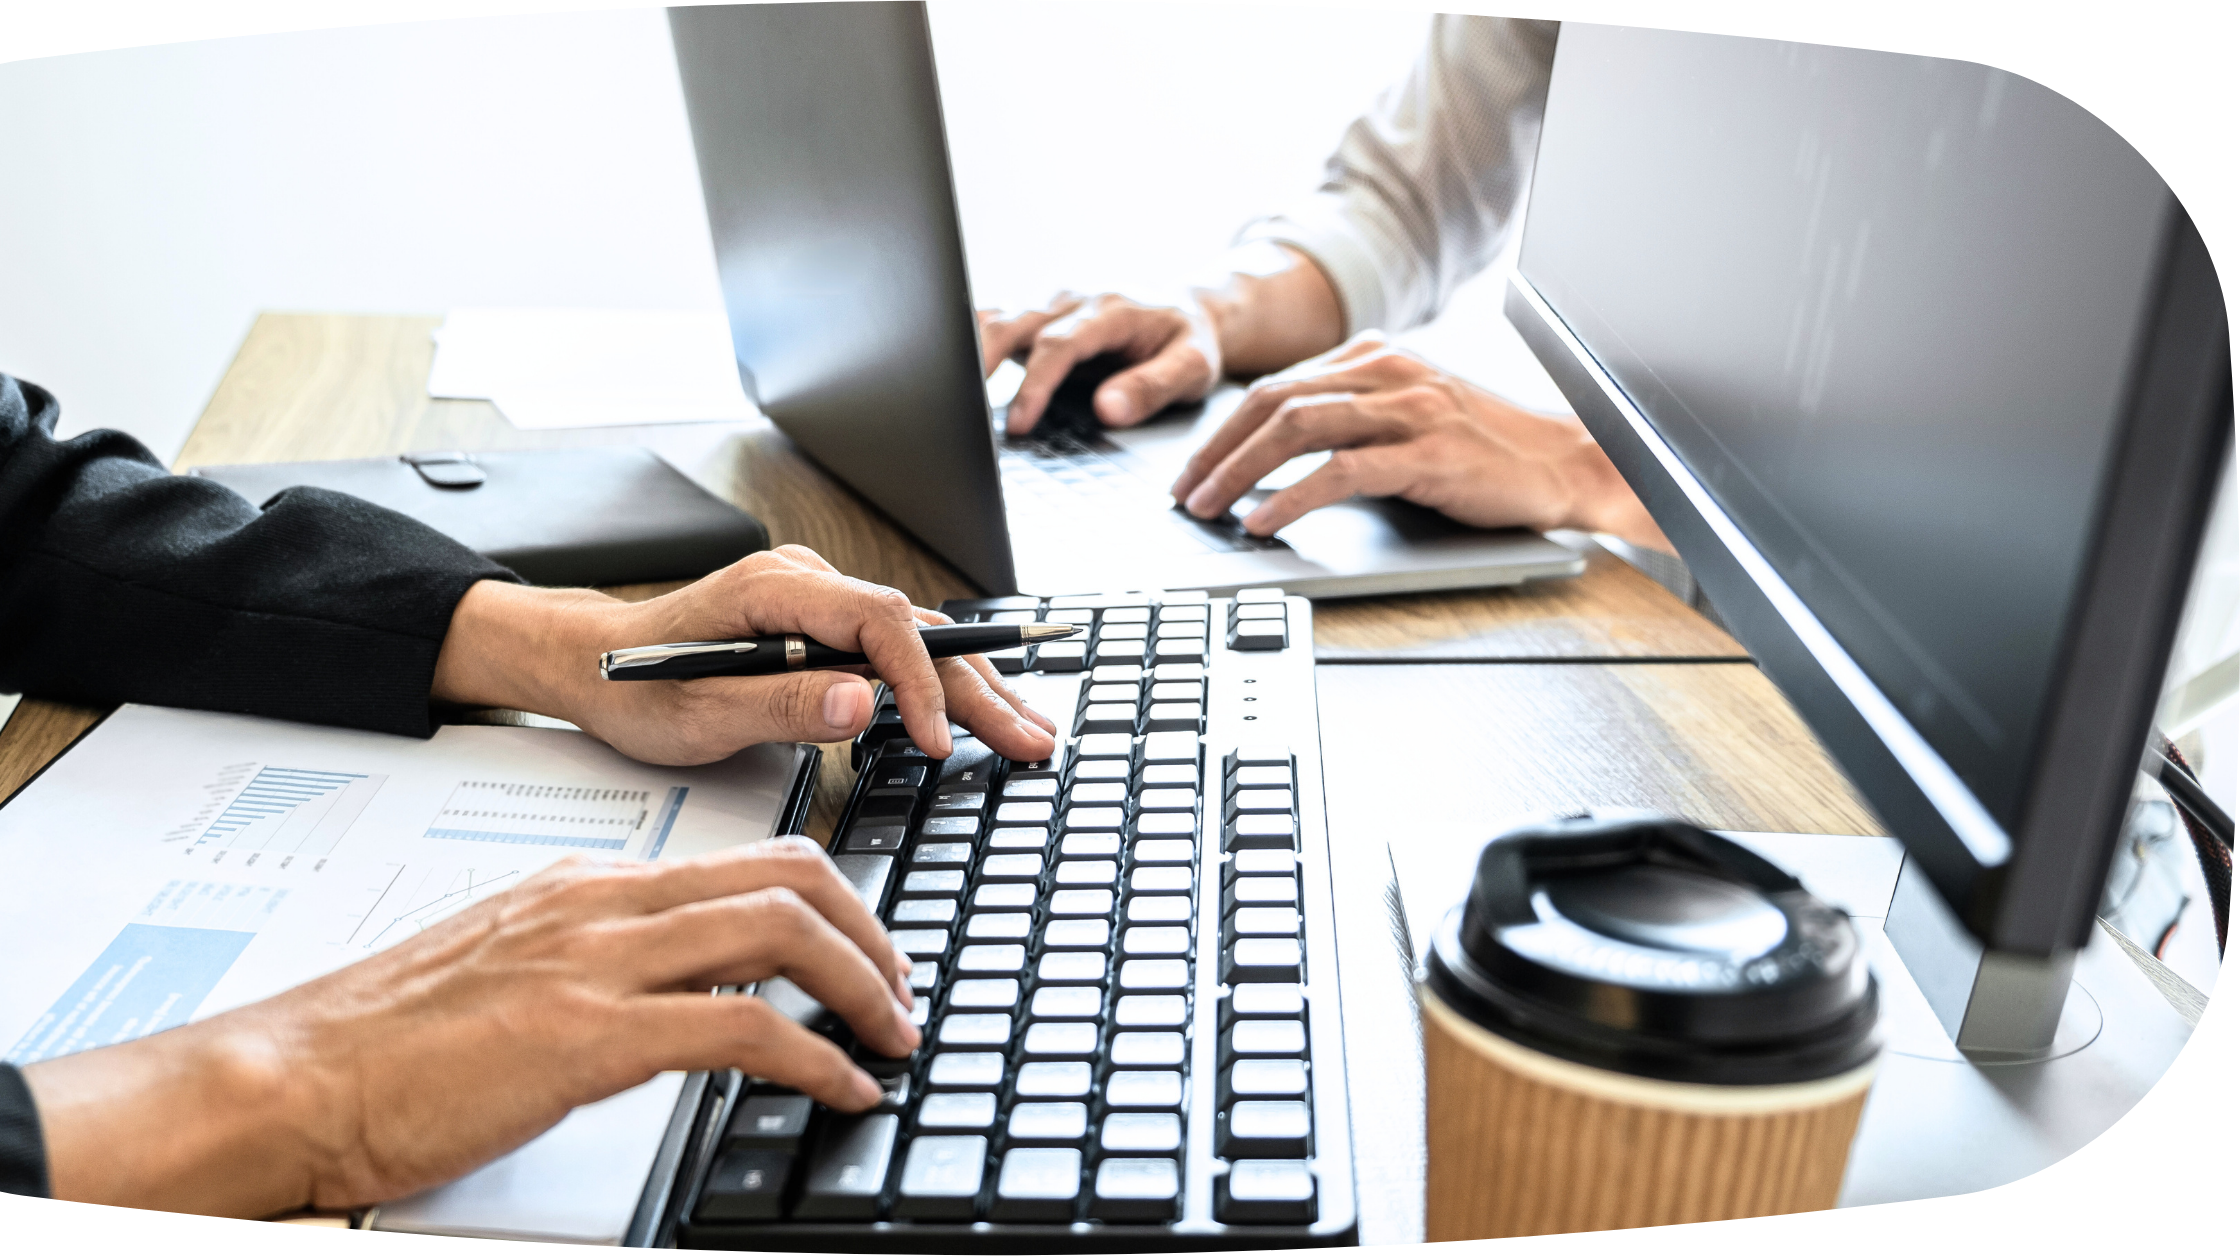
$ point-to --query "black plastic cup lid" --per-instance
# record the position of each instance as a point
(1652, 947)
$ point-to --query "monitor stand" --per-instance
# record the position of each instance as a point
(1997, 1007)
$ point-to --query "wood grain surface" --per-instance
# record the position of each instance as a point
(1612, 611)
(1422, 763)
(36, 733)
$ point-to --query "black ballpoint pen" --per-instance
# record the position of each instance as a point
(782, 653)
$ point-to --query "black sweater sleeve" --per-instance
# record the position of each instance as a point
(120, 582)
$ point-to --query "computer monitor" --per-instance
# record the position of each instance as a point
(1926, 374)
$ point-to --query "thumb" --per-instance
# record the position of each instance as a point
(816, 707)
(1178, 373)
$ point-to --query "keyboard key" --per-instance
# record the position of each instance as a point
(1073, 965)
(1119, 652)
(1151, 1010)
(1155, 942)
(1135, 1190)
(1167, 798)
(1067, 1002)
(1115, 793)
(1060, 1041)
(1142, 1089)
(1148, 852)
(998, 927)
(1264, 1038)
(907, 778)
(983, 995)
(924, 975)
(1154, 975)
(1087, 873)
(1256, 1000)
(1077, 933)
(921, 1010)
(1081, 902)
(1158, 909)
(1105, 747)
(1135, 614)
(1268, 1078)
(1147, 1049)
(1004, 896)
(1147, 1132)
(1170, 746)
(948, 881)
(1173, 715)
(1014, 839)
(957, 1111)
(976, 1070)
(1160, 878)
(1265, 1192)
(1099, 719)
(991, 960)
(1109, 673)
(1262, 958)
(1101, 770)
(1024, 790)
(1262, 755)
(891, 808)
(1093, 818)
(746, 1185)
(1079, 844)
(1028, 811)
(1012, 866)
(1265, 1128)
(768, 1121)
(960, 1031)
(1066, 1079)
(1171, 774)
(1168, 825)
(868, 873)
(941, 1178)
(1264, 921)
(1261, 801)
(1037, 1184)
(1258, 634)
(924, 910)
(1112, 693)
(1178, 692)
(1062, 657)
(950, 825)
(1048, 1122)
(1264, 890)
(950, 853)
(1179, 651)
(849, 1170)
(873, 838)
(921, 942)
(1178, 671)
(1262, 862)
(1262, 776)
(1008, 660)
(959, 802)
(1261, 831)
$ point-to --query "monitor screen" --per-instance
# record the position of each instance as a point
(1886, 309)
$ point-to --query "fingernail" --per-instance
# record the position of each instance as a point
(1115, 406)
(867, 1090)
(839, 706)
(1200, 504)
(1048, 727)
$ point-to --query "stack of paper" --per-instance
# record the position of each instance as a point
(558, 368)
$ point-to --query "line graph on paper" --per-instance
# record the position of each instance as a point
(252, 810)
(403, 899)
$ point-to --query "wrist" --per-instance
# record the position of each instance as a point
(1270, 307)
(527, 648)
(1603, 503)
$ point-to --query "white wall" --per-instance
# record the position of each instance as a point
(155, 199)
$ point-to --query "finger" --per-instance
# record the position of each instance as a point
(1311, 423)
(1376, 470)
(726, 714)
(709, 1032)
(1002, 337)
(757, 935)
(861, 617)
(795, 863)
(1179, 372)
(1264, 398)
(989, 675)
(1058, 349)
(976, 707)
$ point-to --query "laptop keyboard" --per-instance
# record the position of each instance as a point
(1066, 486)
(1123, 965)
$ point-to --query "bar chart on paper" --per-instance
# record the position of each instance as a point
(539, 813)
(281, 810)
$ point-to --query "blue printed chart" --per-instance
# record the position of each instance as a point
(538, 813)
(289, 811)
(157, 970)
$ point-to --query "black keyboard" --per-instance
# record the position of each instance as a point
(1125, 969)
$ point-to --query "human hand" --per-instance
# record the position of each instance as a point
(1398, 426)
(524, 648)
(459, 1044)
(1173, 352)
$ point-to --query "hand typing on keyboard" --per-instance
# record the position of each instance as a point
(520, 647)
(461, 1043)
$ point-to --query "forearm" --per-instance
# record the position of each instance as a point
(528, 648)
(1270, 307)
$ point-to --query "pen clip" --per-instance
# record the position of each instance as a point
(641, 657)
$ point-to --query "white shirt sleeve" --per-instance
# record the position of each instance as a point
(1422, 190)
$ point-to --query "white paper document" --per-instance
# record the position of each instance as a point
(175, 864)
(568, 368)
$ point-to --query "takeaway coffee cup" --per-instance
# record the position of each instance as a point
(1632, 1021)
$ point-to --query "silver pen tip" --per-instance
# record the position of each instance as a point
(1043, 631)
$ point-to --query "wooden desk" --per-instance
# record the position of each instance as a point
(1599, 690)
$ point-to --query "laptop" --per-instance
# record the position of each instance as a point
(834, 218)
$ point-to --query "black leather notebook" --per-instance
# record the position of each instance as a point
(589, 516)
